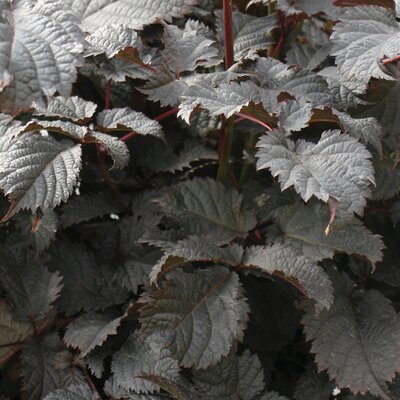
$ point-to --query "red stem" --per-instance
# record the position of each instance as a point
(254, 119)
(391, 60)
(172, 111)
(128, 136)
(91, 384)
(228, 33)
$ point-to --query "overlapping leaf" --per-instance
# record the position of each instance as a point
(141, 364)
(39, 51)
(194, 248)
(233, 378)
(38, 172)
(357, 340)
(111, 39)
(249, 33)
(186, 49)
(337, 166)
(303, 227)
(313, 385)
(30, 287)
(204, 312)
(363, 37)
(86, 207)
(127, 119)
(40, 375)
(204, 207)
(12, 331)
(302, 272)
(74, 108)
(91, 330)
(73, 392)
(133, 13)
(88, 285)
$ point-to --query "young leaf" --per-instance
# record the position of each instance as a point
(357, 340)
(300, 271)
(40, 50)
(205, 207)
(303, 227)
(204, 313)
(42, 184)
(141, 362)
(337, 166)
(233, 378)
(363, 36)
(91, 330)
(133, 13)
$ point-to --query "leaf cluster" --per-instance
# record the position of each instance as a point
(199, 203)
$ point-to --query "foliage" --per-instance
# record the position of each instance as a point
(199, 202)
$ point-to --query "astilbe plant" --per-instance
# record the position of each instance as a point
(200, 199)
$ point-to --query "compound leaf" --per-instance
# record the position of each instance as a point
(204, 313)
(337, 166)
